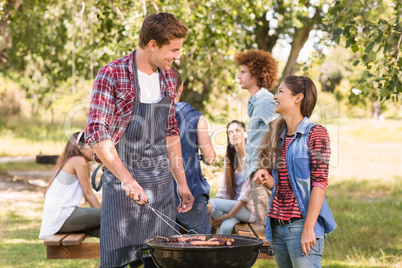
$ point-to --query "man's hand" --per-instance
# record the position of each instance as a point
(135, 191)
(186, 199)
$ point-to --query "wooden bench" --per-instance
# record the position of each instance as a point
(71, 246)
(253, 230)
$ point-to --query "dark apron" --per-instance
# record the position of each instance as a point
(142, 149)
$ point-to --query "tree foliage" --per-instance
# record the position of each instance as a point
(58, 40)
(373, 31)
(51, 41)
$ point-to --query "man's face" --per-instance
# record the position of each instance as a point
(246, 80)
(164, 56)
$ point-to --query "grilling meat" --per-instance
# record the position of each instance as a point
(201, 240)
(192, 238)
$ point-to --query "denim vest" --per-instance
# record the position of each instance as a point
(298, 164)
(187, 121)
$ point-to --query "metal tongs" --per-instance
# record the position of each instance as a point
(164, 218)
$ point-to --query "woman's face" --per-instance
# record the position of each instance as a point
(285, 102)
(87, 151)
(236, 134)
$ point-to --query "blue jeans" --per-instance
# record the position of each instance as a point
(197, 219)
(221, 207)
(287, 245)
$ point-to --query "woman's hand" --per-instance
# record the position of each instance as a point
(263, 177)
(308, 240)
(218, 221)
(260, 176)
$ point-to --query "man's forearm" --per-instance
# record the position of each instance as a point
(107, 153)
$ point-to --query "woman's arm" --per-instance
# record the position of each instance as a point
(314, 206)
(82, 170)
(204, 142)
(239, 205)
(320, 152)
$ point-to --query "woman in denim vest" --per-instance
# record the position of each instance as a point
(294, 163)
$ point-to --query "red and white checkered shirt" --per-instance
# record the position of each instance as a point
(112, 101)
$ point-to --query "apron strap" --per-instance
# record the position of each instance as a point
(164, 81)
(93, 179)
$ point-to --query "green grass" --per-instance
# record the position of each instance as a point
(26, 137)
(21, 247)
(25, 166)
(368, 233)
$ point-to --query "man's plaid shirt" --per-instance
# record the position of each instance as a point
(112, 101)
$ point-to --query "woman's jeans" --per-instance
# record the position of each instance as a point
(85, 220)
(222, 207)
(287, 245)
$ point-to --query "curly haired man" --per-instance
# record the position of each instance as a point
(258, 73)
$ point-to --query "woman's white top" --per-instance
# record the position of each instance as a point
(239, 178)
(62, 197)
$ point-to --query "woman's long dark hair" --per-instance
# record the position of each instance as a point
(231, 163)
(70, 150)
(271, 144)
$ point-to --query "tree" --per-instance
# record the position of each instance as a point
(373, 31)
(58, 40)
(8, 9)
(293, 21)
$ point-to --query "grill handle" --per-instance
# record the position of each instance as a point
(268, 250)
(142, 253)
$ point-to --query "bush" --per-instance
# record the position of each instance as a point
(13, 102)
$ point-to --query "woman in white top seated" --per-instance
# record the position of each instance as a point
(234, 164)
(69, 183)
(233, 202)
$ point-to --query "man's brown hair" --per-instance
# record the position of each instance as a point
(162, 28)
(261, 65)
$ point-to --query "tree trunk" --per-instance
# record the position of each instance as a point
(300, 38)
(376, 109)
(194, 98)
(9, 9)
(263, 39)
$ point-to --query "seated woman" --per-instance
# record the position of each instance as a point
(234, 164)
(237, 207)
(70, 181)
